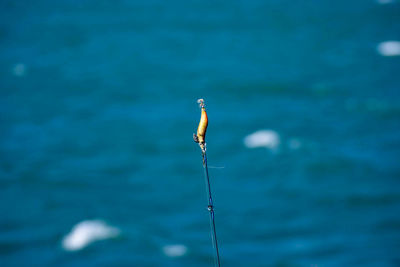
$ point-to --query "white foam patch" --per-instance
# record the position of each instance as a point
(19, 69)
(262, 138)
(389, 48)
(87, 232)
(173, 251)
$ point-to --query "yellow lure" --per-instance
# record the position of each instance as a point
(202, 128)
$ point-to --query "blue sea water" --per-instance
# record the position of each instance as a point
(98, 107)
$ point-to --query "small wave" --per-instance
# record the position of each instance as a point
(294, 144)
(87, 232)
(262, 138)
(384, 2)
(19, 69)
(389, 48)
(173, 251)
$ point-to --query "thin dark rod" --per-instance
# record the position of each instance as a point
(211, 209)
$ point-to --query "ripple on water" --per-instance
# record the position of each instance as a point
(177, 250)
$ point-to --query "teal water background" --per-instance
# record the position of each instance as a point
(98, 107)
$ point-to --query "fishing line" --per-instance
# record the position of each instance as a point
(216, 167)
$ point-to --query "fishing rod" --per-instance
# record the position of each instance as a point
(200, 138)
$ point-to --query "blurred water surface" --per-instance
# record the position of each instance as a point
(97, 111)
